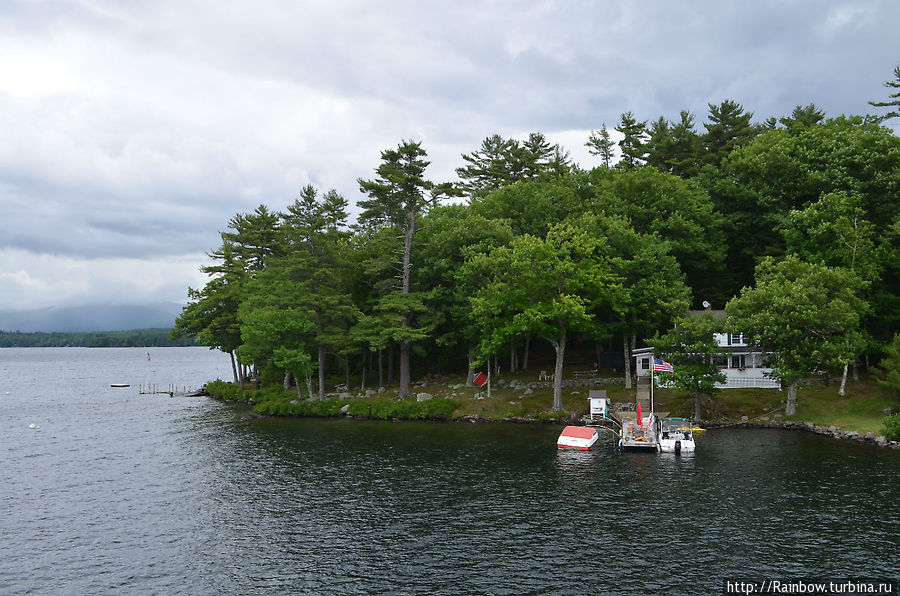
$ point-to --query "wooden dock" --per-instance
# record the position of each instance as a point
(170, 390)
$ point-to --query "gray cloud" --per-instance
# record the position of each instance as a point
(132, 132)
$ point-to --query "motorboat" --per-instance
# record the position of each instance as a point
(577, 437)
(676, 435)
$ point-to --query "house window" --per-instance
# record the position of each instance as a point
(738, 361)
(720, 361)
(645, 363)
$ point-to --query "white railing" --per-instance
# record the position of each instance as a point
(744, 381)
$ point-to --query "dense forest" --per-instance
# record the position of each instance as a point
(94, 339)
(793, 222)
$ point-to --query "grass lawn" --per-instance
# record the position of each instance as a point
(859, 410)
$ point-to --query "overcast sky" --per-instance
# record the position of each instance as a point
(131, 132)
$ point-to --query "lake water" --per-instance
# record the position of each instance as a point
(120, 493)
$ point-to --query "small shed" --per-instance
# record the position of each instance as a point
(599, 403)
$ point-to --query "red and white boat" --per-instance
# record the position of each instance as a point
(577, 437)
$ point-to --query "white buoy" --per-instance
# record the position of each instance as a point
(33, 426)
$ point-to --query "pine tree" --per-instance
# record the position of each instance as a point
(729, 127)
(803, 117)
(501, 162)
(399, 197)
(601, 143)
(633, 144)
(660, 145)
(686, 147)
(893, 102)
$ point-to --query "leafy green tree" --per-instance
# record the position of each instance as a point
(601, 143)
(546, 287)
(757, 185)
(272, 333)
(676, 210)
(398, 198)
(633, 143)
(212, 312)
(729, 127)
(653, 290)
(836, 232)
(450, 235)
(690, 347)
(807, 313)
(893, 102)
(532, 206)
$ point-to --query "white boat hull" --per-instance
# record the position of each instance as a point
(575, 437)
(677, 445)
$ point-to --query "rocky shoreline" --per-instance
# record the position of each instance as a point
(828, 431)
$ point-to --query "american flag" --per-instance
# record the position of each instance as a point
(660, 365)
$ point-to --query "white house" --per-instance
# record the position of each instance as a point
(742, 363)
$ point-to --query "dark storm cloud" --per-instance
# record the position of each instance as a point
(134, 131)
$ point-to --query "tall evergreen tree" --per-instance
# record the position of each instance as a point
(489, 167)
(687, 147)
(729, 127)
(659, 145)
(601, 143)
(399, 195)
(803, 117)
(633, 142)
(500, 162)
(893, 102)
(314, 229)
(254, 237)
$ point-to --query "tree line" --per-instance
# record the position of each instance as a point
(94, 339)
(794, 222)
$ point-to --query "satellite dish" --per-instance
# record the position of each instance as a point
(706, 304)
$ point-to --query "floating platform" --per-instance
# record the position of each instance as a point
(577, 437)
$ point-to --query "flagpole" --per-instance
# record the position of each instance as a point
(652, 369)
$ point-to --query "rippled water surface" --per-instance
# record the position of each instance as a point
(120, 493)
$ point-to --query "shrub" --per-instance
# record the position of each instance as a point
(892, 427)
(226, 391)
(385, 409)
(292, 407)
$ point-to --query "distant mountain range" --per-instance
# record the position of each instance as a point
(97, 317)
